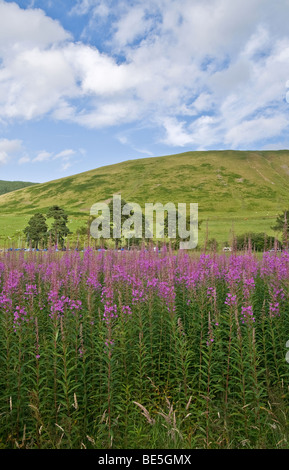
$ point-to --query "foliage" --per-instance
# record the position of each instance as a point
(36, 230)
(212, 244)
(117, 219)
(257, 241)
(173, 233)
(59, 229)
(9, 186)
(143, 350)
(282, 224)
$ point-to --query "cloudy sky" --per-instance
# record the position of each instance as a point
(86, 83)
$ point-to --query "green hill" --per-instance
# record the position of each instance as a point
(235, 190)
(9, 186)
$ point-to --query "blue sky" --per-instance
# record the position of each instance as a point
(87, 83)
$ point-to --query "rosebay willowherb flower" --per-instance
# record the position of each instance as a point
(206, 332)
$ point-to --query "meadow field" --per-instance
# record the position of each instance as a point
(144, 228)
(213, 225)
(148, 349)
(144, 350)
(236, 191)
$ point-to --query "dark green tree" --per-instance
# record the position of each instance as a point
(120, 219)
(36, 230)
(59, 229)
(57, 213)
(258, 242)
(282, 225)
(83, 232)
(213, 245)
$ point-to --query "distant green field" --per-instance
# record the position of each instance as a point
(8, 186)
(236, 191)
(219, 228)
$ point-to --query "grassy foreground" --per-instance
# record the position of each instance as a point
(143, 350)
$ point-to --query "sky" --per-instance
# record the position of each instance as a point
(88, 83)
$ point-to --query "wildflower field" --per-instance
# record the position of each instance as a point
(142, 349)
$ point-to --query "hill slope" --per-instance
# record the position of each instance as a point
(9, 186)
(246, 188)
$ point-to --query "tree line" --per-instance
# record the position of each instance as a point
(38, 234)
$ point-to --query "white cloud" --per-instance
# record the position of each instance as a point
(33, 82)
(207, 73)
(175, 133)
(24, 160)
(21, 28)
(94, 7)
(256, 129)
(3, 157)
(65, 166)
(43, 156)
(110, 113)
(98, 73)
(65, 154)
(9, 148)
(276, 146)
(132, 25)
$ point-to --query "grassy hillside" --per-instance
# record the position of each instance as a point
(8, 186)
(239, 190)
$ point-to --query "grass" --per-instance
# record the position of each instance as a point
(213, 226)
(241, 189)
(8, 186)
(143, 351)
